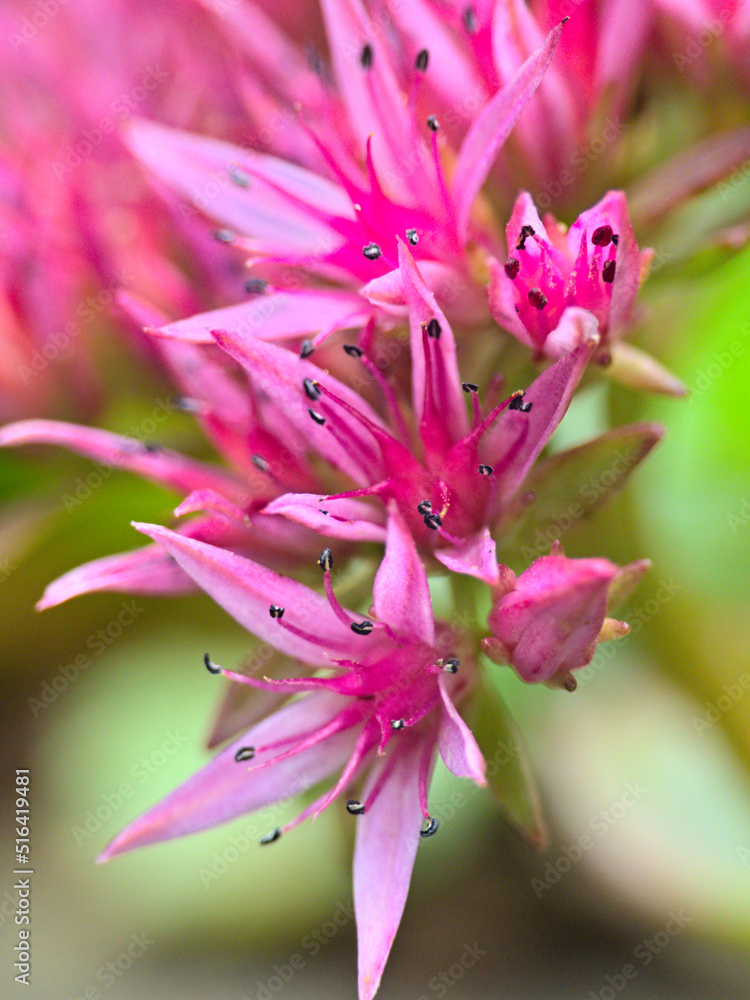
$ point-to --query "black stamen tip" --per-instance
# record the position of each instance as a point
(422, 60)
(433, 521)
(362, 628)
(211, 667)
(326, 560)
(317, 417)
(275, 611)
(424, 507)
(152, 448)
(485, 470)
(224, 235)
(434, 329)
(366, 56)
(517, 403)
(431, 828)
(412, 236)
(355, 807)
(469, 387)
(244, 753)
(608, 271)
(240, 178)
(311, 389)
(260, 463)
(602, 236)
(397, 724)
(372, 251)
(615, 238)
(306, 349)
(451, 666)
(256, 286)
(470, 20)
(353, 351)
(511, 267)
(526, 231)
(271, 837)
(433, 124)
(537, 298)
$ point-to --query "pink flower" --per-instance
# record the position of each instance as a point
(546, 623)
(380, 717)
(596, 266)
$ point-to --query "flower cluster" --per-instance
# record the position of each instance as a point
(359, 402)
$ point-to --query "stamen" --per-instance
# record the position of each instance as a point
(433, 124)
(526, 231)
(362, 628)
(244, 753)
(260, 463)
(306, 349)
(317, 417)
(469, 387)
(355, 807)
(256, 286)
(433, 521)
(469, 17)
(240, 178)
(511, 267)
(434, 329)
(537, 298)
(366, 56)
(422, 60)
(431, 828)
(326, 560)
(615, 238)
(602, 236)
(211, 667)
(424, 507)
(311, 389)
(412, 236)
(397, 724)
(451, 665)
(608, 271)
(353, 351)
(372, 251)
(517, 403)
(275, 611)
(485, 470)
(271, 837)
(224, 235)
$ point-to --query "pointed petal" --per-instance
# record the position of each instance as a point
(635, 368)
(160, 465)
(401, 595)
(386, 848)
(458, 748)
(493, 126)
(224, 788)
(474, 556)
(246, 590)
(349, 519)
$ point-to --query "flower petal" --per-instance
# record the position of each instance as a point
(401, 595)
(475, 555)
(458, 748)
(349, 519)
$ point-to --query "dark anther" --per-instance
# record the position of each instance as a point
(239, 177)
(485, 470)
(353, 351)
(187, 405)
(306, 349)
(224, 235)
(526, 231)
(424, 507)
(244, 753)
(423, 58)
(152, 448)
(602, 236)
(315, 59)
(260, 463)
(512, 265)
(517, 403)
(372, 251)
(398, 723)
(433, 124)
(469, 17)
(433, 521)
(469, 387)
(412, 236)
(362, 628)
(431, 828)
(271, 837)
(255, 286)
(570, 683)
(326, 560)
(434, 329)
(311, 390)
(211, 667)
(366, 55)
(537, 298)
(608, 271)
(317, 417)
(324, 512)
(615, 238)
(275, 611)
(451, 666)
(355, 807)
